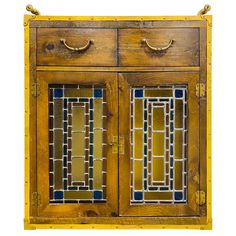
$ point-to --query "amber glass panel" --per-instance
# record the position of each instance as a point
(178, 144)
(158, 118)
(138, 144)
(158, 169)
(78, 169)
(178, 175)
(158, 93)
(158, 144)
(98, 141)
(138, 174)
(178, 114)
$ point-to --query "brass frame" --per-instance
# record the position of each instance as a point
(28, 97)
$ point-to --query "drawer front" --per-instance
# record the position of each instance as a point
(76, 47)
(159, 47)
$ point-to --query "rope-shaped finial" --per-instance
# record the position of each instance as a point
(204, 11)
(34, 11)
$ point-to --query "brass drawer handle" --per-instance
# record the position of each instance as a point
(81, 49)
(156, 49)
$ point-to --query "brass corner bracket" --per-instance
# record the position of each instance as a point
(33, 10)
(204, 10)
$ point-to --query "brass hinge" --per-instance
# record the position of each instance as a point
(200, 90)
(121, 145)
(200, 197)
(114, 144)
(36, 199)
(35, 89)
(117, 145)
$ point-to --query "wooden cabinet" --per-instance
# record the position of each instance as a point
(118, 126)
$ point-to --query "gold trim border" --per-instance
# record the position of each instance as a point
(27, 225)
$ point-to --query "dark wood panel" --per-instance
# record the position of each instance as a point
(183, 52)
(103, 51)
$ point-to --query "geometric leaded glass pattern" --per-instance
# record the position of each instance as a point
(159, 144)
(77, 137)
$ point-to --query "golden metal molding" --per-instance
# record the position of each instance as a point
(33, 10)
(204, 10)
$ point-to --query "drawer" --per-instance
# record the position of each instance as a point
(76, 47)
(177, 47)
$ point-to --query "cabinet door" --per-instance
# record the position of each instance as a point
(159, 123)
(77, 172)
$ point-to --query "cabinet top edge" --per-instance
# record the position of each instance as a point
(119, 19)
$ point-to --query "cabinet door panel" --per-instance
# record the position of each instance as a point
(76, 119)
(159, 120)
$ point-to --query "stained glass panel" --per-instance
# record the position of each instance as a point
(159, 144)
(77, 144)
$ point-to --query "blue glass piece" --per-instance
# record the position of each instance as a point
(83, 100)
(65, 127)
(145, 138)
(164, 100)
(145, 103)
(65, 172)
(90, 160)
(138, 196)
(65, 161)
(138, 93)
(171, 115)
(97, 93)
(171, 104)
(178, 195)
(145, 184)
(153, 188)
(65, 149)
(72, 188)
(178, 93)
(91, 115)
(65, 103)
(91, 126)
(90, 149)
(145, 173)
(58, 195)
(171, 127)
(65, 184)
(145, 150)
(65, 114)
(145, 126)
(145, 115)
(58, 93)
(72, 99)
(97, 195)
(163, 188)
(65, 138)
(91, 103)
(152, 100)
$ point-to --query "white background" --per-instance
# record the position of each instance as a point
(12, 105)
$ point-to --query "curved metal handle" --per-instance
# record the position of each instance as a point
(155, 49)
(81, 49)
